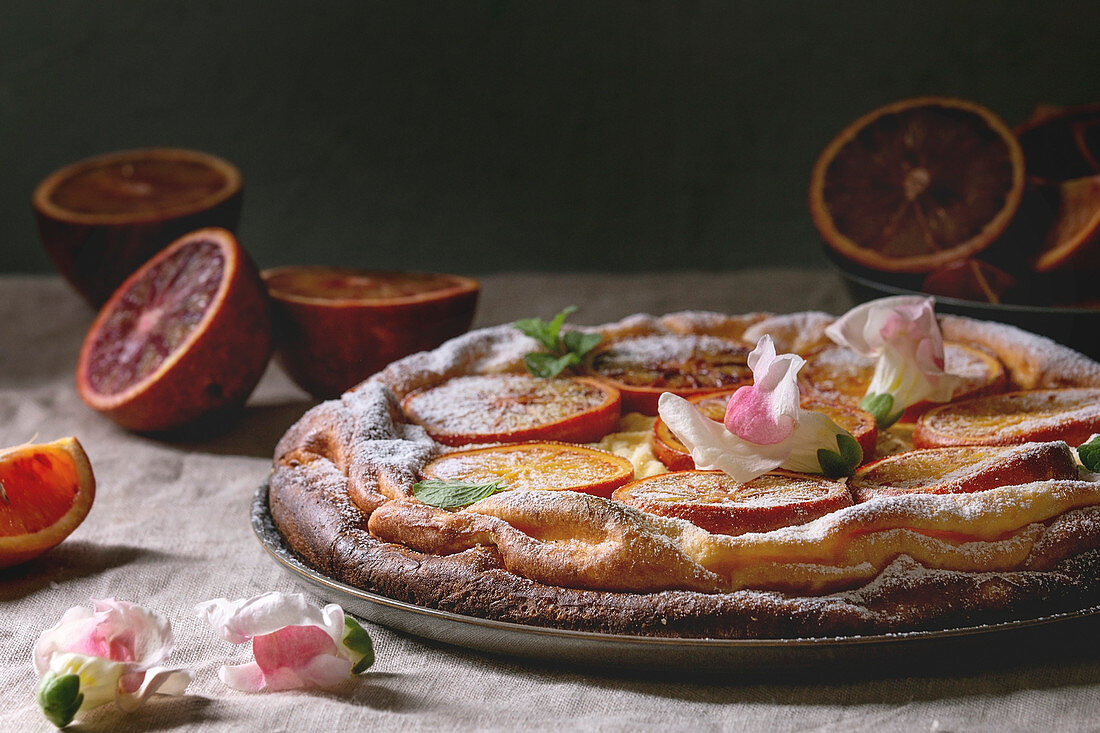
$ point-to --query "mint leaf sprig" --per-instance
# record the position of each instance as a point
(563, 351)
(451, 494)
(1089, 453)
(841, 462)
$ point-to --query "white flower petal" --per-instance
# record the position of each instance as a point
(238, 621)
(243, 677)
(715, 448)
(158, 680)
(815, 430)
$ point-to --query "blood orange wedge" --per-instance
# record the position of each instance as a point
(719, 504)
(1071, 415)
(644, 367)
(962, 470)
(916, 184)
(184, 339)
(674, 454)
(45, 492)
(337, 326)
(1073, 240)
(1049, 138)
(837, 374)
(539, 465)
(510, 408)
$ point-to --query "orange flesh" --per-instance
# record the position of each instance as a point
(155, 317)
(137, 186)
(339, 284)
(546, 466)
(41, 484)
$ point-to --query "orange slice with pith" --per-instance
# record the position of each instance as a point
(1071, 415)
(916, 184)
(719, 504)
(962, 469)
(642, 368)
(509, 408)
(538, 465)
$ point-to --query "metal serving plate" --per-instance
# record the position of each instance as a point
(993, 645)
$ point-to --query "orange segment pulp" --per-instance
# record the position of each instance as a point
(45, 492)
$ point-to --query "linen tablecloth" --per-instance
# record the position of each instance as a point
(170, 528)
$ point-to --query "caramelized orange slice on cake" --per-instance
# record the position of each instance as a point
(552, 466)
(670, 451)
(509, 408)
(962, 469)
(1071, 415)
(643, 367)
(837, 374)
(719, 504)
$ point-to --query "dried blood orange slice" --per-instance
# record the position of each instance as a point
(962, 469)
(719, 504)
(917, 184)
(1071, 415)
(337, 326)
(969, 279)
(644, 367)
(1073, 240)
(1049, 139)
(45, 492)
(835, 373)
(184, 339)
(537, 465)
(509, 408)
(674, 454)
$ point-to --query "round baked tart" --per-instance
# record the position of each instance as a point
(969, 535)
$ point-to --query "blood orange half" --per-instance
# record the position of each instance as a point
(337, 326)
(45, 492)
(185, 338)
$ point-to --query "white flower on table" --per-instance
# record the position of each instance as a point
(902, 334)
(765, 426)
(295, 644)
(110, 653)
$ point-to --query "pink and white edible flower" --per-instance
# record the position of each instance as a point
(110, 653)
(902, 334)
(295, 644)
(765, 427)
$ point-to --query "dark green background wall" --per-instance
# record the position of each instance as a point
(494, 135)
